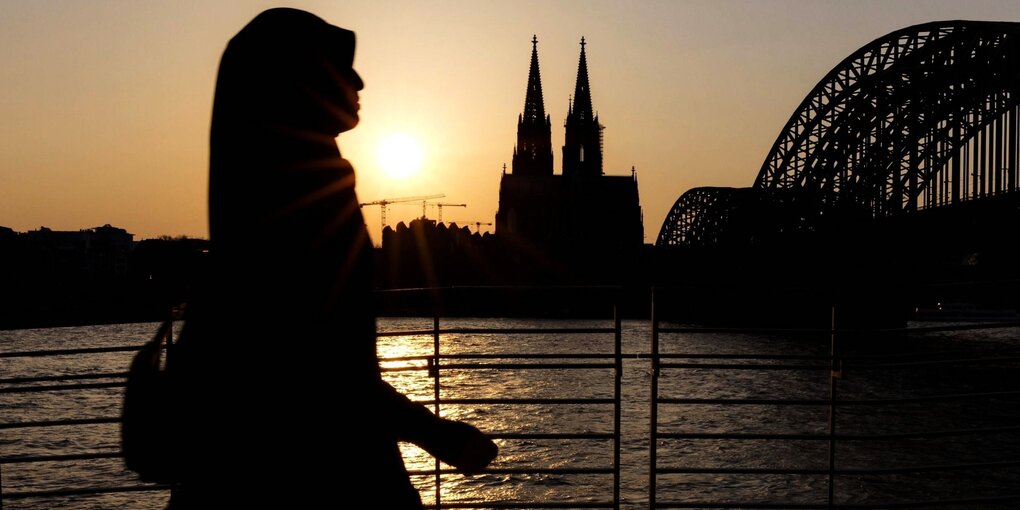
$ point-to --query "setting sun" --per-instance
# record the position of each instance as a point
(399, 155)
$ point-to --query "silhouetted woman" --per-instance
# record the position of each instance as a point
(284, 404)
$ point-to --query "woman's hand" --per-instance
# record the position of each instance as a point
(459, 445)
(468, 449)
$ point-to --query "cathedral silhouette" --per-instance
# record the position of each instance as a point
(576, 227)
(589, 220)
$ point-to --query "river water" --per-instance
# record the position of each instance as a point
(985, 369)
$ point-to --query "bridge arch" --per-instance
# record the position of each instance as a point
(923, 117)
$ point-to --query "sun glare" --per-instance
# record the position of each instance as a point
(399, 155)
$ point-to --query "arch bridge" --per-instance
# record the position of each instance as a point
(923, 118)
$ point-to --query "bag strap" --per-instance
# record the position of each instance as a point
(164, 333)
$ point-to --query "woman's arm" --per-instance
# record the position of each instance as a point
(453, 442)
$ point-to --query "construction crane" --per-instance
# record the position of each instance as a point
(439, 207)
(387, 201)
(478, 226)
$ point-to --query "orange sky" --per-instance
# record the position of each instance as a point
(105, 109)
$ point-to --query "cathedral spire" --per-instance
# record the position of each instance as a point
(582, 150)
(533, 153)
(582, 93)
(534, 106)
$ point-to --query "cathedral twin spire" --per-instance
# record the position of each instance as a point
(534, 106)
(582, 152)
(533, 153)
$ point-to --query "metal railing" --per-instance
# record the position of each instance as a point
(435, 364)
(839, 413)
(834, 367)
(439, 362)
(63, 383)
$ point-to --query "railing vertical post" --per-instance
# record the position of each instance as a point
(833, 374)
(435, 396)
(653, 404)
(617, 378)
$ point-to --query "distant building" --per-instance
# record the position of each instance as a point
(425, 253)
(581, 220)
(55, 278)
(110, 249)
(100, 251)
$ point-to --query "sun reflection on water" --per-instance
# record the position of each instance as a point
(406, 360)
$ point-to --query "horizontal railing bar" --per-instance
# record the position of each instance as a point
(839, 471)
(67, 352)
(513, 366)
(699, 366)
(955, 327)
(838, 437)
(469, 401)
(63, 387)
(929, 398)
(541, 355)
(983, 500)
(827, 331)
(750, 331)
(912, 504)
(818, 402)
(407, 368)
(738, 504)
(429, 332)
(524, 331)
(83, 491)
(744, 401)
(495, 331)
(751, 357)
(57, 423)
(856, 362)
(899, 364)
(419, 357)
(635, 355)
(928, 468)
(501, 288)
(525, 366)
(741, 436)
(69, 377)
(60, 458)
(756, 366)
(520, 471)
(410, 332)
(740, 471)
(682, 355)
(537, 435)
(853, 361)
(546, 355)
(924, 434)
(506, 366)
(508, 504)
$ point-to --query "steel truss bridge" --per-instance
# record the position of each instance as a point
(922, 118)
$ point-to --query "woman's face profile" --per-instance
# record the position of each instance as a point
(346, 101)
